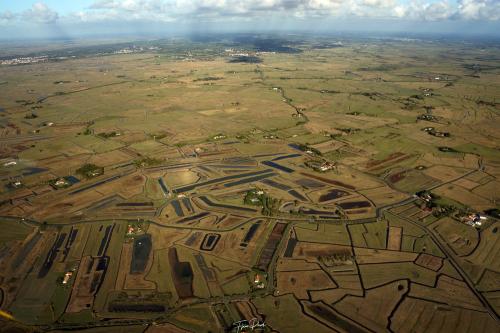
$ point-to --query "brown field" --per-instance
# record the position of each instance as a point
(126, 280)
(415, 314)
(488, 191)
(109, 158)
(296, 320)
(313, 250)
(295, 265)
(375, 165)
(374, 275)
(228, 246)
(466, 183)
(464, 196)
(44, 209)
(486, 254)
(246, 310)
(429, 261)
(331, 318)
(348, 284)
(383, 195)
(376, 307)
(10, 274)
(375, 256)
(165, 238)
(444, 173)
(488, 280)
(271, 246)
(165, 328)
(462, 238)
(328, 146)
(394, 238)
(82, 295)
(63, 165)
(181, 177)
(329, 296)
(299, 282)
(453, 292)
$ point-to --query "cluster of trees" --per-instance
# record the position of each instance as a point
(90, 170)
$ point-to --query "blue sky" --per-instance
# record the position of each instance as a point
(70, 18)
(59, 5)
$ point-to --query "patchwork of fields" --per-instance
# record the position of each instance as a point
(180, 191)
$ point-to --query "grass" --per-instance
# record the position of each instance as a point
(200, 287)
(294, 321)
(78, 317)
(425, 244)
(326, 233)
(374, 275)
(33, 302)
(356, 232)
(376, 234)
(240, 285)
(113, 251)
(13, 230)
(197, 318)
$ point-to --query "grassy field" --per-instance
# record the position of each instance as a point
(13, 230)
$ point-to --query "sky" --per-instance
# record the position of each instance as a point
(73, 18)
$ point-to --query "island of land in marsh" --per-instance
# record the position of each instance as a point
(322, 184)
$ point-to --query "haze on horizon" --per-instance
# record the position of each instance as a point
(28, 19)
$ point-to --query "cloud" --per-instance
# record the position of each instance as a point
(171, 10)
(40, 13)
(465, 10)
(420, 11)
(379, 3)
(7, 17)
(186, 11)
(207, 9)
(479, 9)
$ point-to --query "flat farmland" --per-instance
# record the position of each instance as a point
(331, 184)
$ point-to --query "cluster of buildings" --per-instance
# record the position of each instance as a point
(258, 282)
(67, 277)
(321, 166)
(16, 184)
(9, 163)
(219, 137)
(126, 51)
(236, 53)
(427, 117)
(428, 92)
(474, 220)
(432, 131)
(135, 49)
(24, 60)
(132, 230)
(61, 182)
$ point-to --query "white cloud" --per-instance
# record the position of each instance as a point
(40, 13)
(425, 11)
(148, 9)
(379, 3)
(217, 10)
(479, 9)
(6, 17)
(399, 11)
(430, 11)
